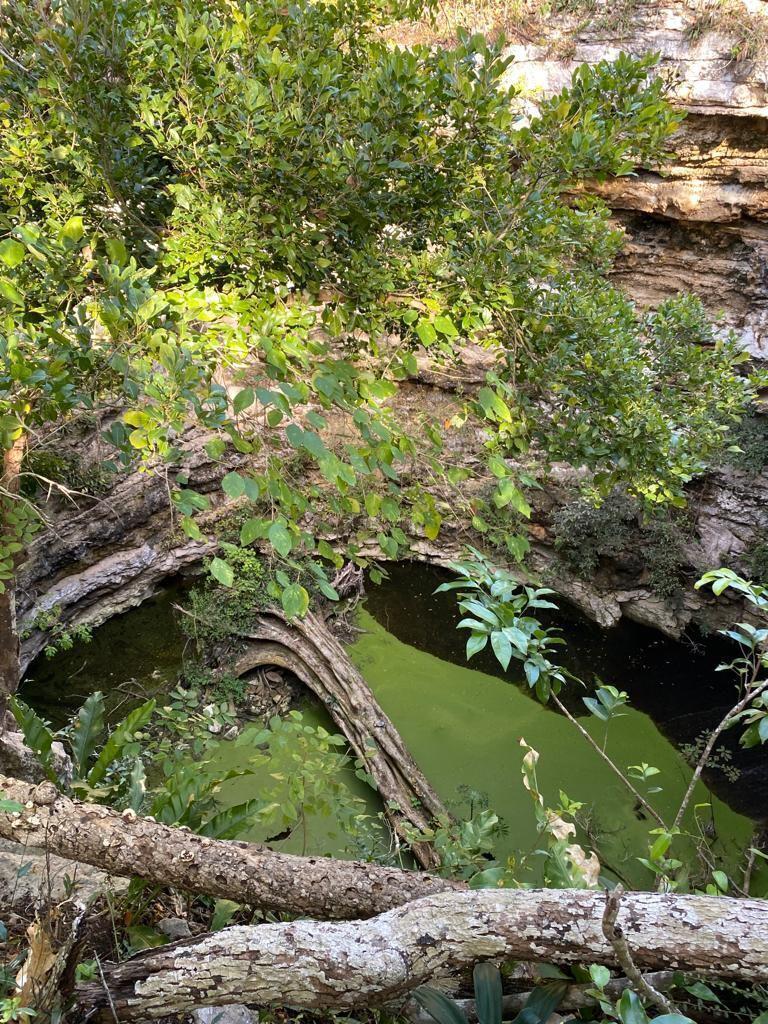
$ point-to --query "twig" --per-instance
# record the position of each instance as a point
(615, 935)
(614, 768)
(707, 751)
(106, 990)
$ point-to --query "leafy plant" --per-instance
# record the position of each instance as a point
(333, 207)
(94, 750)
(497, 608)
(539, 1007)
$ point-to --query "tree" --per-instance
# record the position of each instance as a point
(276, 195)
(82, 329)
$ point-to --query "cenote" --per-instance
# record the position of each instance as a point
(463, 722)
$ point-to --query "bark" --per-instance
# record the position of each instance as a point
(314, 655)
(9, 634)
(343, 966)
(124, 844)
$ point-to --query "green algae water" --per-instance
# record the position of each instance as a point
(464, 728)
(463, 722)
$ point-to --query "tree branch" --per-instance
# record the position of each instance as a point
(310, 965)
(124, 844)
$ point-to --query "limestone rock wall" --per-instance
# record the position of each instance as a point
(701, 223)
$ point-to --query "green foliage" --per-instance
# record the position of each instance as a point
(59, 637)
(586, 532)
(160, 760)
(538, 1009)
(308, 766)
(91, 759)
(748, 448)
(498, 609)
(630, 1010)
(756, 558)
(606, 703)
(261, 186)
(218, 613)
(65, 469)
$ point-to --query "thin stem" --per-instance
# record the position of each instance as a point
(710, 745)
(614, 768)
(615, 935)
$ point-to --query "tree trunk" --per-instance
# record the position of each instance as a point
(343, 966)
(9, 635)
(124, 844)
(308, 649)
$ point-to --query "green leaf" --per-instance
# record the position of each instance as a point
(223, 912)
(231, 822)
(494, 407)
(233, 485)
(446, 326)
(216, 447)
(87, 732)
(631, 1009)
(426, 332)
(702, 991)
(280, 538)
(116, 251)
(73, 230)
(480, 610)
(295, 601)
(10, 292)
(222, 572)
(141, 936)
(678, 1018)
(250, 531)
(122, 734)
(488, 993)
(491, 878)
(243, 399)
(502, 648)
(475, 644)
(12, 252)
(438, 1005)
(137, 786)
(508, 494)
(600, 975)
(721, 880)
(37, 735)
(542, 1003)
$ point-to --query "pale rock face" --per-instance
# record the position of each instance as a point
(30, 876)
(717, 182)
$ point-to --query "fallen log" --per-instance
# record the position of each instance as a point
(308, 649)
(125, 844)
(313, 965)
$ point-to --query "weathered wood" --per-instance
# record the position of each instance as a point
(342, 966)
(124, 844)
(308, 649)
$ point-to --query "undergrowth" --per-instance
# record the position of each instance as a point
(749, 445)
(586, 533)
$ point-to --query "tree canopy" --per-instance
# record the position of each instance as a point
(275, 197)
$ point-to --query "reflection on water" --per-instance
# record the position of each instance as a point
(675, 683)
